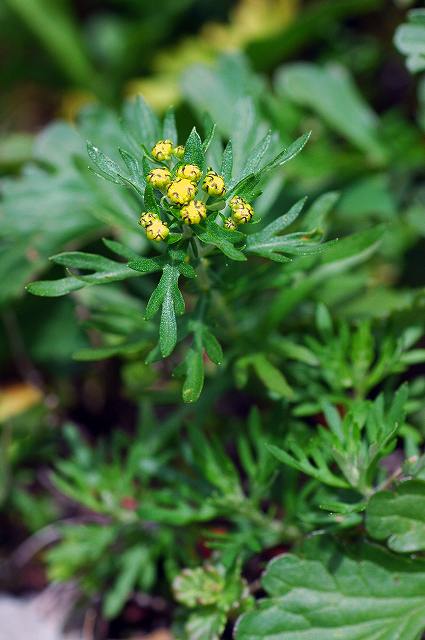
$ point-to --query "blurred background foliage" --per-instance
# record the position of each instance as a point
(325, 65)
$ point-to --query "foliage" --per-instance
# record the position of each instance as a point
(239, 437)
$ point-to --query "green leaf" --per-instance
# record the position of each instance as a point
(209, 136)
(54, 288)
(330, 593)
(398, 517)
(268, 244)
(105, 270)
(227, 163)
(410, 40)
(167, 295)
(205, 624)
(201, 586)
(222, 239)
(289, 153)
(120, 249)
(194, 380)
(169, 128)
(150, 202)
(330, 92)
(148, 265)
(130, 565)
(270, 376)
(108, 168)
(193, 151)
(134, 169)
(141, 123)
(212, 346)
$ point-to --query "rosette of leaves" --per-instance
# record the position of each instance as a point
(195, 260)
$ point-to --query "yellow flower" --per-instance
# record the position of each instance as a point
(243, 214)
(213, 184)
(159, 178)
(193, 212)
(229, 224)
(178, 151)
(181, 191)
(157, 230)
(190, 171)
(147, 218)
(162, 150)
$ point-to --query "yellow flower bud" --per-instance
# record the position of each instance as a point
(147, 218)
(181, 191)
(162, 150)
(159, 178)
(179, 151)
(157, 230)
(237, 202)
(190, 171)
(193, 212)
(243, 214)
(229, 224)
(213, 184)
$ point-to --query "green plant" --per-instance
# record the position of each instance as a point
(284, 496)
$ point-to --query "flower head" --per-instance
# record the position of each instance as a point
(181, 191)
(243, 214)
(147, 218)
(213, 184)
(242, 211)
(229, 224)
(162, 150)
(178, 151)
(159, 178)
(236, 202)
(193, 212)
(157, 230)
(190, 171)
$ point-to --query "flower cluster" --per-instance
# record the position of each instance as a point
(186, 192)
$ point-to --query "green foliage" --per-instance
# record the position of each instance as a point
(248, 377)
(410, 40)
(397, 517)
(330, 592)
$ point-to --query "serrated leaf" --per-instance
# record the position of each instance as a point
(398, 517)
(193, 152)
(329, 593)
